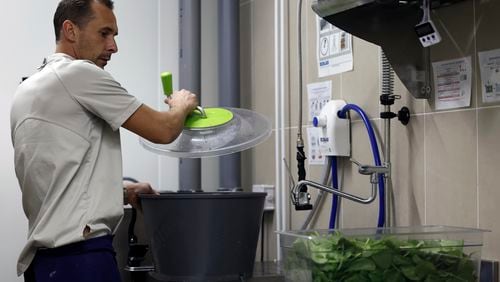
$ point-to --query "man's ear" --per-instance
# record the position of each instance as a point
(69, 30)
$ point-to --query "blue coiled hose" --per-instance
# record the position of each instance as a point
(376, 156)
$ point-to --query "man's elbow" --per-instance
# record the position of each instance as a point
(165, 138)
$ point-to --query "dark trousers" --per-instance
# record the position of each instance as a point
(92, 260)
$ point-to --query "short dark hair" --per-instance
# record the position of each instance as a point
(77, 11)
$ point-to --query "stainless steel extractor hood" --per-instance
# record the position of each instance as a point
(389, 24)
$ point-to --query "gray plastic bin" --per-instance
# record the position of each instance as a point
(203, 236)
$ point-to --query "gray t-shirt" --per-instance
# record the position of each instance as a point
(65, 122)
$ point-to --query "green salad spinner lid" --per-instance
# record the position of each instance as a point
(212, 117)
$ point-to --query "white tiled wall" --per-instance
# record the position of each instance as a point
(445, 163)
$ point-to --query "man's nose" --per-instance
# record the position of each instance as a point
(112, 46)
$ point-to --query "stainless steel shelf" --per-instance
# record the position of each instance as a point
(389, 24)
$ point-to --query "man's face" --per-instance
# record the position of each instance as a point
(96, 40)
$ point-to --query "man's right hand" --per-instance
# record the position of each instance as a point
(182, 99)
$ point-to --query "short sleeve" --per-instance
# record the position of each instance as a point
(98, 92)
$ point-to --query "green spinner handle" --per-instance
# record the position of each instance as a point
(166, 81)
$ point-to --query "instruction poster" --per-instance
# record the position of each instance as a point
(452, 83)
(318, 95)
(489, 63)
(334, 49)
(315, 157)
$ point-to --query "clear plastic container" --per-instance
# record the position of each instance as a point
(422, 253)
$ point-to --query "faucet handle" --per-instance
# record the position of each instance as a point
(370, 169)
(373, 169)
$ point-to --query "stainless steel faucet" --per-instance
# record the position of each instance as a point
(300, 198)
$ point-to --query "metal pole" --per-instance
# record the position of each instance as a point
(190, 78)
(388, 93)
(387, 178)
(229, 83)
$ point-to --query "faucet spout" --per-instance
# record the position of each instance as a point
(337, 192)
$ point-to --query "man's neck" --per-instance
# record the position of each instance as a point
(61, 48)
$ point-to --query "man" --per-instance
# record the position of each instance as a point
(65, 122)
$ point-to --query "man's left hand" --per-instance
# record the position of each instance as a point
(133, 191)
